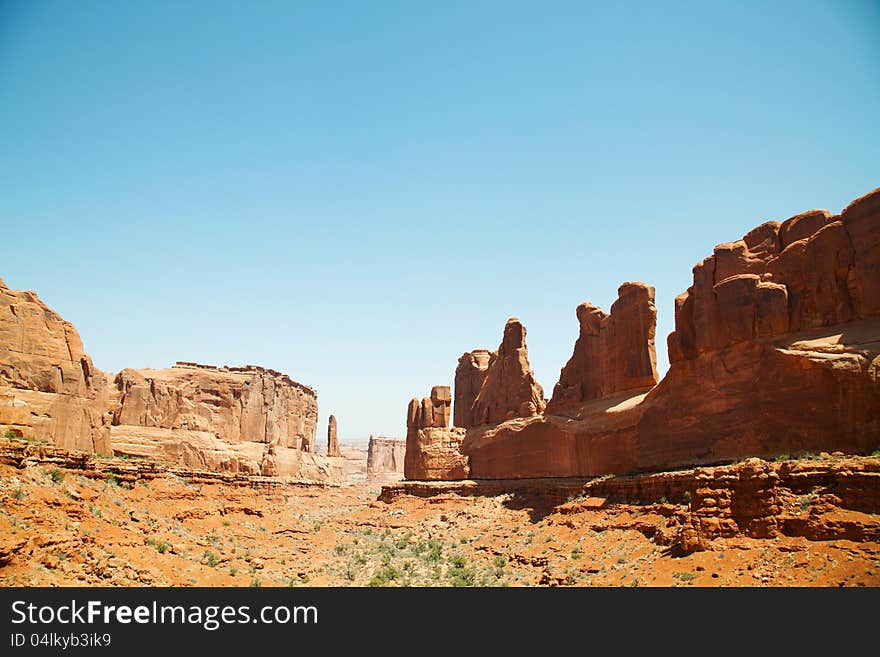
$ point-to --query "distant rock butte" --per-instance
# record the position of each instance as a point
(776, 350)
(385, 458)
(248, 419)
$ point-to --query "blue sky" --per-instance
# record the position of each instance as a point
(357, 192)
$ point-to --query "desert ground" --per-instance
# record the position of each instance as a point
(61, 528)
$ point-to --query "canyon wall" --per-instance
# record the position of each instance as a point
(776, 350)
(229, 419)
(385, 458)
(248, 419)
(49, 388)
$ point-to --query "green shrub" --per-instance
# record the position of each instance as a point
(385, 574)
(459, 575)
(56, 475)
(210, 558)
(782, 458)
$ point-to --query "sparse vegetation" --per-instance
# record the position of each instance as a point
(384, 575)
(684, 576)
(210, 558)
(804, 501)
(782, 458)
(161, 546)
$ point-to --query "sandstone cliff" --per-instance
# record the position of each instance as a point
(385, 458)
(49, 388)
(236, 404)
(776, 349)
(227, 419)
(613, 353)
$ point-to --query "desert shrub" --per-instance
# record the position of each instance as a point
(385, 574)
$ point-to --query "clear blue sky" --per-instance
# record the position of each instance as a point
(357, 192)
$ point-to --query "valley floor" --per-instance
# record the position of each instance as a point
(58, 527)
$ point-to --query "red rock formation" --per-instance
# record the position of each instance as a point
(49, 387)
(332, 438)
(613, 353)
(224, 419)
(229, 419)
(432, 449)
(776, 349)
(819, 499)
(385, 458)
(431, 411)
(510, 389)
(236, 404)
(469, 378)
